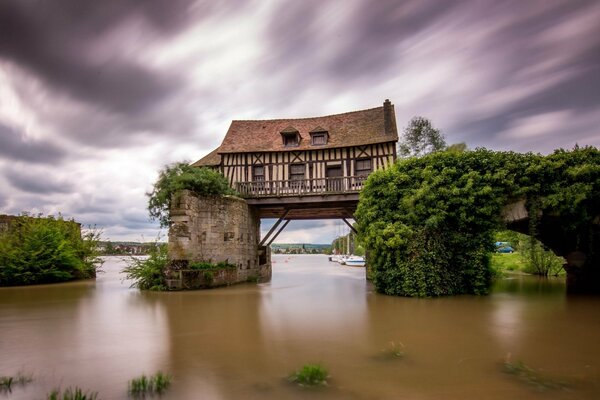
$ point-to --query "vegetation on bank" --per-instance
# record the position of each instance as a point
(530, 256)
(148, 273)
(428, 222)
(40, 249)
(180, 176)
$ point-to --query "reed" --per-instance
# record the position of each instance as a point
(75, 393)
(157, 383)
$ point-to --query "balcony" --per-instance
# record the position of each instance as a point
(301, 187)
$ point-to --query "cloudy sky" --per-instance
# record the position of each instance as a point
(96, 96)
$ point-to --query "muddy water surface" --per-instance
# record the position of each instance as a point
(241, 342)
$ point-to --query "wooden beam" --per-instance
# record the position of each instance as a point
(279, 231)
(350, 225)
(262, 242)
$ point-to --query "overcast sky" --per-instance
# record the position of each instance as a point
(96, 96)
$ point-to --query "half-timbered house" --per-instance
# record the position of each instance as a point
(330, 155)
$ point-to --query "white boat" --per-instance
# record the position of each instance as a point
(355, 261)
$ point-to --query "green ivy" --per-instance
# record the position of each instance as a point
(428, 223)
(180, 176)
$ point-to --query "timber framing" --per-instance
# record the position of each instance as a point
(309, 179)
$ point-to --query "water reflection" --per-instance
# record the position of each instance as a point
(242, 341)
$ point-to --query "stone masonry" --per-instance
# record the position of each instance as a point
(215, 229)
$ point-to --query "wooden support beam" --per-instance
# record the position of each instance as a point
(262, 242)
(350, 225)
(278, 232)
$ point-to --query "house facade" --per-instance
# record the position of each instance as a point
(317, 155)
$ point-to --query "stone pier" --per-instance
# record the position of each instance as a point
(214, 230)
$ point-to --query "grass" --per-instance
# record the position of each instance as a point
(72, 394)
(148, 385)
(507, 262)
(7, 382)
(310, 375)
(528, 375)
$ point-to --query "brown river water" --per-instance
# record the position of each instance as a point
(241, 342)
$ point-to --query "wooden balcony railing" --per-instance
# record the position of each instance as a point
(302, 187)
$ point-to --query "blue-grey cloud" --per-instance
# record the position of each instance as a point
(14, 146)
(37, 181)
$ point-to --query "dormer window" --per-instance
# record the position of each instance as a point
(291, 137)
(318, 136)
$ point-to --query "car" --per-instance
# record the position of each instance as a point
(505, 249)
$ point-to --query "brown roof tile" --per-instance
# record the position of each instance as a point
(349, 129)
(210, 160)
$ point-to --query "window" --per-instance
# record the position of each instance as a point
(258, 173)
(362, 167)
(290, 140)
(297, 172)
(319, 138)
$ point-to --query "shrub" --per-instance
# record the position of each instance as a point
(180, 176)
(148, 273)
(310, 375)
(428, 223)
(46, 250)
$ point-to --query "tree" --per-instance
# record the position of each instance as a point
(420, 138)
(179, 176)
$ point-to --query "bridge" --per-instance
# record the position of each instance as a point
(287, 200)
(581, 256)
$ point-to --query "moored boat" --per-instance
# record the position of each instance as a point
(355, 261)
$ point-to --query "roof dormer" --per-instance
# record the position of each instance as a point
(319, 136)
(290, 137)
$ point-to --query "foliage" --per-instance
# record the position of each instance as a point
(40, 249)
(72, 394)
(180, 176)
(148, 273)
(539, 260)
(429, 222)
(157, 383)
(7, 382)
(420, 138)
(310, 375)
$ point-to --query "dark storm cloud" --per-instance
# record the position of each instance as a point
(377, 28)
(52, 39)
(37, 181)
(13, 146)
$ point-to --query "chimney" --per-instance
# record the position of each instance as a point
(389, 118)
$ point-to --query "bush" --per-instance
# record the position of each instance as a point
(428, 223)
(47, 250)
(181, 176)
(148, 273)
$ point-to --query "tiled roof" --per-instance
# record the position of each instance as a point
(349, 129)
(210, 160)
